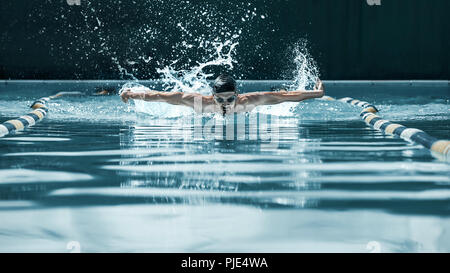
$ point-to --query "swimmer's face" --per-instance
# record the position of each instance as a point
(225, 98)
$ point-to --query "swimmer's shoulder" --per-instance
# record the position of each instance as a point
(242, 99)
(192, 97)
(207, 99)
(249, 98)
(245, 103)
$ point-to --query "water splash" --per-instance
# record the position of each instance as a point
(129, 39)
(193, 80)
(306, 72)
(305, 75)
(196, 79)
(123, 71)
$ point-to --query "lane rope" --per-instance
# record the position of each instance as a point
(369, 115)
(39, 112)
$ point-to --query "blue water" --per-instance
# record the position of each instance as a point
(102, 176)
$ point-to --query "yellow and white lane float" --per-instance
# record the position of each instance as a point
(40, 110)
(368, 114)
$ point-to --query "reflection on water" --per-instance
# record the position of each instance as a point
(243, 183)
(221, 154)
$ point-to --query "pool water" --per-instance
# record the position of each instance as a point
(107, 177)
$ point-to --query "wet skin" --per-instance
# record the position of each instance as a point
(223, 102)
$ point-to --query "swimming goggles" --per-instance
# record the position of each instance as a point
(221, 100)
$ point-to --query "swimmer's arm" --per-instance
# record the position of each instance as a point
(269, 98)
(175, 98)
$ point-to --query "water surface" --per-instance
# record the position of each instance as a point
(320, 180)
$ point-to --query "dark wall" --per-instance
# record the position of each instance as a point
(349, 39)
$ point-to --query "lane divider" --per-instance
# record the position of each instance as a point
(39, 112)
(364, 104)
(368, 114)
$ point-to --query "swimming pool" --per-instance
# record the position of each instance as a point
(108, 177)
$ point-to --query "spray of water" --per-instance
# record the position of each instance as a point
(196, 78)
(306, 72)
(305, 75)
(123, 71)
(185, 80)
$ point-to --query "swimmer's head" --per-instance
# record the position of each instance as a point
(225, 92)
(224, 83)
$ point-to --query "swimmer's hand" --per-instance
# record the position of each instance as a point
(127, 94)
(318, 87)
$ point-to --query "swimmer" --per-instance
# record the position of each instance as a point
(225, 98)
(105, 91)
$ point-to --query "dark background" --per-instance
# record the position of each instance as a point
(348, 39)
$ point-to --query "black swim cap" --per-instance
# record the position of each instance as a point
(224, 83)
